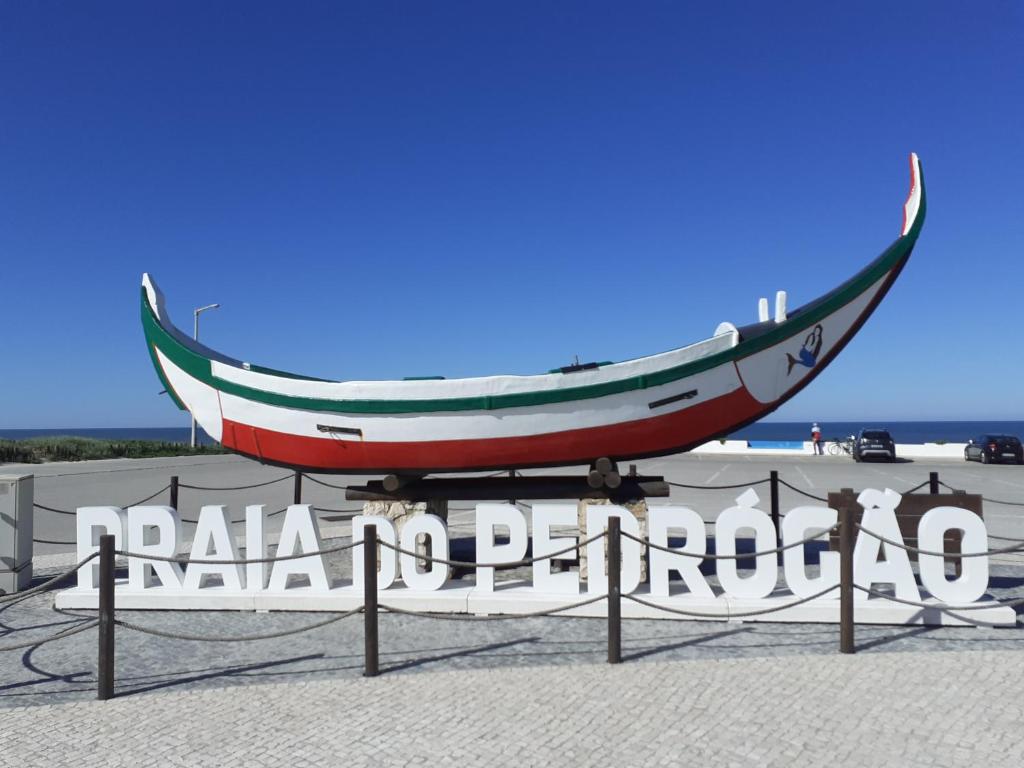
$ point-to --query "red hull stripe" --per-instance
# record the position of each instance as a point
(644, 436)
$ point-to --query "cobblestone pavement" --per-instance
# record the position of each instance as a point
(912, 709)
(524, 691)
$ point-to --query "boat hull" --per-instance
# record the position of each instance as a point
(651, 406)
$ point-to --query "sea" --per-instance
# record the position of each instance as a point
(902, 431)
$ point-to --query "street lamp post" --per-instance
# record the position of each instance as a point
(195, 336)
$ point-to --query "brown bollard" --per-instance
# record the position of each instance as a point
(298, 488)
(774, 478)
(846, 540)
(105, 661)
(614, 591)
(933, 483)
(174, 492)
(371, 667)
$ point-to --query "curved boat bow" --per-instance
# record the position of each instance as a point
(649, 406)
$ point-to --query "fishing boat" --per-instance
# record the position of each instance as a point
(649, 406)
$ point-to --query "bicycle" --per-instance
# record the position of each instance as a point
(841, 447)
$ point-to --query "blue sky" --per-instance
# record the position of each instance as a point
(377, 190)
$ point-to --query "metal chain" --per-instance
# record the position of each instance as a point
(908, 548)
(942, 606)
(16, 596)
(471, 564)
(235, 639)
(783, 548)
(730, 614)
(986, 498)
(324, 483)
(207, 561)
(148, 498)
(497, 617)
(53, 509)
(916, 488)
(232, 487)
(59, 636)
(718, 487)
(802, 492)
(1006, 538)
(123, 506)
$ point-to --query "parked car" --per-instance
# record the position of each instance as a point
(989, 449)
(874, 444)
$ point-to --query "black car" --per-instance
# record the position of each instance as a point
(874, 444)
(990, 449)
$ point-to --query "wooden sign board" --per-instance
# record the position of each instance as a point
(909, 513)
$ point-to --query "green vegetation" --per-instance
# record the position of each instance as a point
(35, 450)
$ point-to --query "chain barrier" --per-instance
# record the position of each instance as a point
(738, 556)
(471, 564)
(730, 614)
(123, 506)
(232, 487)
(1006, 538)
(942, 606)
(916, 550)
(324, 483)
(496, 617)
(52, 509)
(986, 498)
(719, 487)
(15, 597)
(236, 638)
(917, 487)
(243, 561)
(802, 492)
(59, 636)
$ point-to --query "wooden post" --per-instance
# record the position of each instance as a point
(105, 662)
(371, 666)
(774, 475)
(846, 541)
(298, 487)
(933, 483)
(614, 591)
(174, 492)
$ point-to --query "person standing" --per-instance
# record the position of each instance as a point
(816, 439)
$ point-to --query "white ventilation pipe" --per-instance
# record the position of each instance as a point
(780, 307)
(762, 310)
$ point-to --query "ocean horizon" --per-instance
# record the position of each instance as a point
(902, 431)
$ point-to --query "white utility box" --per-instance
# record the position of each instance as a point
(15, 532)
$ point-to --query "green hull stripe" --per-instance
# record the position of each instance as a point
(199, 367)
